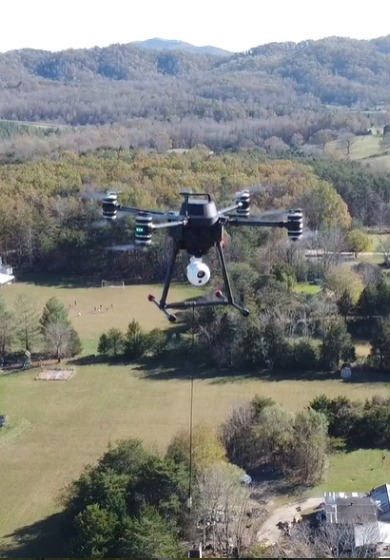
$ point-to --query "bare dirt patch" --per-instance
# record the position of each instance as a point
(56, 374)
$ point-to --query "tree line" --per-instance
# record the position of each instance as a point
(285, 332)
(70, 239)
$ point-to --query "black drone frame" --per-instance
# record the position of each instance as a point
(294, 227)
(213, 223)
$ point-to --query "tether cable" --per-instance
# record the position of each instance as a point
(189, 501)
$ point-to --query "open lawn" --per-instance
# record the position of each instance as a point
(56, 428)
(368, 149)
(307, 288)
(357, 471)
(118, 306)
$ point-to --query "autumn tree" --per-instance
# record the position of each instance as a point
(305, 456)
(206, 448)
(341, 280)
(358, 241)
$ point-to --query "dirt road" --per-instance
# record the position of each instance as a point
(269, 530)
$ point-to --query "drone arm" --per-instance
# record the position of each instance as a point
(244, 222)
(169, 224)
(133, 210)
(229, 208)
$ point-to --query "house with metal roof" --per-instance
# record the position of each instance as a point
(351, 508)
(381, 496)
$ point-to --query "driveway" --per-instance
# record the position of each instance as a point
(270, 532)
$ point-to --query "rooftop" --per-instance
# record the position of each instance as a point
(350, 509)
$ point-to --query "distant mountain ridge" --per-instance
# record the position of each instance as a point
(172, 44)
(159, 81)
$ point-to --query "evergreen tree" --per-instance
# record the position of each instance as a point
(380, 344)
(336, 344)
(28, 331)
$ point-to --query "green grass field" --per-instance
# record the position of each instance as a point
(119, 306)
(306, 288)
(358, 471)
(56, 428)
(367, 149)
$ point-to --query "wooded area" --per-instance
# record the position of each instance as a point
(273, 97)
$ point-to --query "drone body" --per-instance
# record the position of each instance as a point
(197, 228)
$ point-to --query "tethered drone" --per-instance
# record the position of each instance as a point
(197, 228)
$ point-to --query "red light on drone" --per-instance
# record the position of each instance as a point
(151, 297)
(219, 294)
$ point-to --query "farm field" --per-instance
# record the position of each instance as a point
(119, 306)
(357, 471)
(56, 428)
(368, 149)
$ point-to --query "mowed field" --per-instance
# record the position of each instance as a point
(368, 149)
(56, 428)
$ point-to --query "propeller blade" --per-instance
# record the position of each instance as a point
(158, 214)
(94, 195)
(254, 189)
(276, 214)
(101, 224)
(126, 248)
(309, 235)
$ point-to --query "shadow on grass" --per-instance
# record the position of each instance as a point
(46, 538)
(59, 281)
(88, 360)
(184, 368)
(180, 366)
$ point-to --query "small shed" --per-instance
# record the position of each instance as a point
(6, 278)
(346, 371)
(381, 496)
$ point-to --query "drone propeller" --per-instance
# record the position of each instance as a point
(269, 214)
(129, 248)
(94, 195)
(111, 207)
(254, 189)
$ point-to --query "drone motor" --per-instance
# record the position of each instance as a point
(143, 228)
(110, 206)
(295, 224)
(243, 204)
(198, 273)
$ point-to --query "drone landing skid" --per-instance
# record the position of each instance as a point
(191, 304)
(222, 299)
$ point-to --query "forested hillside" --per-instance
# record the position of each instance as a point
(274, 96)
(48, 225)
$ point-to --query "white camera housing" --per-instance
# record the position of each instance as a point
(198, 273)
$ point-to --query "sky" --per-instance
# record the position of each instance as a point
(228, 24)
